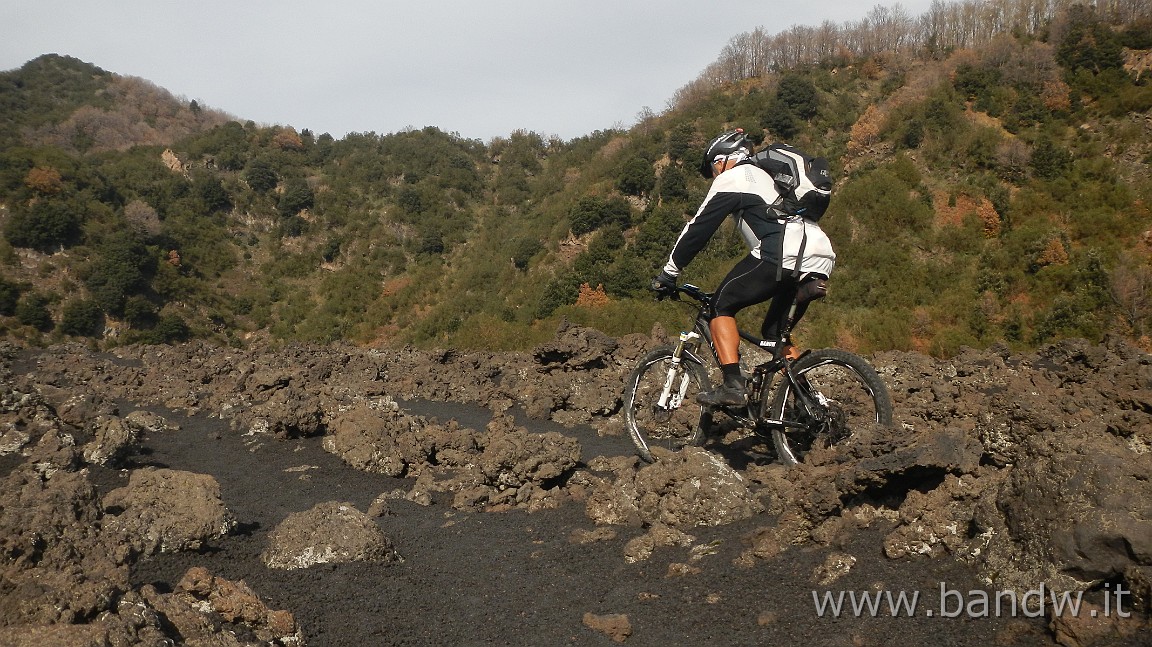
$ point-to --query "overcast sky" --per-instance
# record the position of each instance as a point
(480, 68)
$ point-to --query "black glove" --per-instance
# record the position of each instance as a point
(664, 285)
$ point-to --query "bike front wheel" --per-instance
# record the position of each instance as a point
(660, 408)
(839, 394)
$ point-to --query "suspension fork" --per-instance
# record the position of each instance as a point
(672, 395)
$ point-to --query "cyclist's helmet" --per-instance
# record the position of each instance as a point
(726, 144)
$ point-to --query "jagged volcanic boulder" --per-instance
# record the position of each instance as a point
(693, 487)
(163, 510)
(329, 533)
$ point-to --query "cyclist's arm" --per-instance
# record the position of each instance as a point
(698, 231)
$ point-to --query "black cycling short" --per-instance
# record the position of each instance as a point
(753, 281)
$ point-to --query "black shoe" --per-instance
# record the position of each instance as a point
(723, 396)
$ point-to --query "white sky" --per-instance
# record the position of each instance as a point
(480, 68)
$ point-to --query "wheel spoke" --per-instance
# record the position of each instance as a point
(675, 423)
(841, 395)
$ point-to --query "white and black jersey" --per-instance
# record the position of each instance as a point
(747, 192)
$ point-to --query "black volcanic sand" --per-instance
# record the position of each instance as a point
(514, 578)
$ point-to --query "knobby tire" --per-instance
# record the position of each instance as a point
(857, 395)
(651, 426)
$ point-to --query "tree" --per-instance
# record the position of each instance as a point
(9, 297)
(82, 318)
(1049, 160)
(287, 139)
(1088, 43)
(211, 193)
(780, 121)
(143, 219)
(44, 225)
(798, 95)
(260, 176)
(32, 310)
(297, 197)
(121, 268)
(673, 186)
(44, 180)
(680, 142)
(139, 312)
(796, 100)
(593, 212)
(523, 249)
(171, 328)
(636, 177)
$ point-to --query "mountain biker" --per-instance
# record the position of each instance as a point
(787, 253)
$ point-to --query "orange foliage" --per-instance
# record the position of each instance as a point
(871, 69)
(953, 211)
(592, 298)
(288, 140)
(989, 218)
(1056, 94)
(1054, 253)
(866, 130)
(44, 180)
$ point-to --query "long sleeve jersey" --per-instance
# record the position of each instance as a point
(747, 192)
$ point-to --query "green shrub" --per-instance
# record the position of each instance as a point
(297, 197)
(9, 297)
(44, 226)
(171, 328)
(32, 310)
(122, 267)
(82, 318)
(523, 249)
(260, 176)
(636, 177)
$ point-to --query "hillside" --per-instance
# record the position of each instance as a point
(998, 193)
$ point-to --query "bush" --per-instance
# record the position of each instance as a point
(673, 185)
(32, 310)
(636, 177)
(680, 142)
(122, 267)
(9, 297)
(211, 194)
(45, 225)
(798, 96)
(297, 197)
(1049, 160)
(169, 329)
(523, 249)
(260, 176)
(560, 291)
(139, 312)
(593, 212)
(82, 318)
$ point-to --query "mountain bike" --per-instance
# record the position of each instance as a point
(814, 400)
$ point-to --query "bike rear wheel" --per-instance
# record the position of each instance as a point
(848, 396)
(677, 423)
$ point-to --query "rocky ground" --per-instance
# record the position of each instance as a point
(349, 496)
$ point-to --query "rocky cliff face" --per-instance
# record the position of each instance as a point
(1026, 468)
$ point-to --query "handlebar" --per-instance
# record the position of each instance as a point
(693, 291)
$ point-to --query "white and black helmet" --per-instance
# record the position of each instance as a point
(724, 145)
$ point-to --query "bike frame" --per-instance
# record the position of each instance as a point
(762, 375)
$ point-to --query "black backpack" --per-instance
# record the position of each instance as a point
(804, 182)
